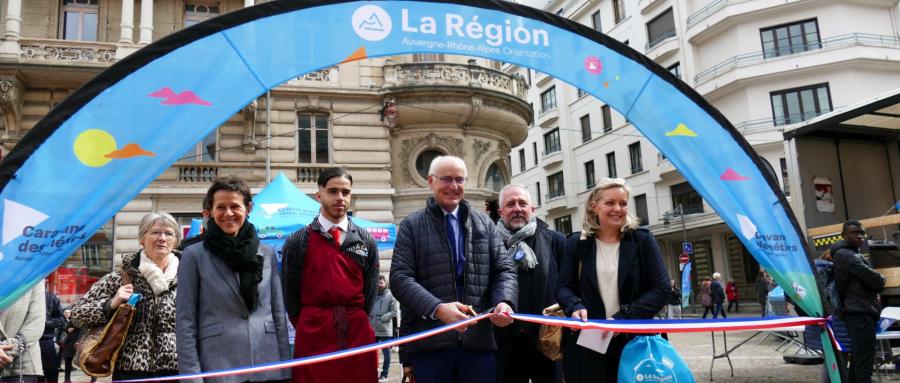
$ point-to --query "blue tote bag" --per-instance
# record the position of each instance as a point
(651, 359)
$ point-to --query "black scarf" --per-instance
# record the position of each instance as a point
(240, 254)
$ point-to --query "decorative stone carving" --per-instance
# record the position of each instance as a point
(60, 52)
(321, 75)
(417, 74)
(480, 147)
(412, 146)
(11, 92)
(503, 148)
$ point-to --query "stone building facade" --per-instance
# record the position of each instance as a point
(331, 117)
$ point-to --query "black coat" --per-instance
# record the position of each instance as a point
(423, 276)
(548, 246)
(717, 292)
(644, 288)
(857, 283)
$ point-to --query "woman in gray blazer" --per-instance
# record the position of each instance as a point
(230, 311)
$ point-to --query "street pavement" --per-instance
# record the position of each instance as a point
(756, 361)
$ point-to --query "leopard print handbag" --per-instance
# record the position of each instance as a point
(97, 351)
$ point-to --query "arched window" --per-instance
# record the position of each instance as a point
(494, 180)
(423, 161)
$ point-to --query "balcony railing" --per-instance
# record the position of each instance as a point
(836, 42)
(547, 109)
(206, 172)
(324, 76)
(196, 173)
(63, 51)
(555, 194)
(658, 39)
(704, 12)
(423, 74)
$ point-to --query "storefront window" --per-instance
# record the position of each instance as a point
(86, 265)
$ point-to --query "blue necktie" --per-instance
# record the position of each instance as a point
(457, 258)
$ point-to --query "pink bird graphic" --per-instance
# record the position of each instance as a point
(731, 175)
(183, 98)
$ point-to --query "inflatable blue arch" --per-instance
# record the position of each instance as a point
(97, 149)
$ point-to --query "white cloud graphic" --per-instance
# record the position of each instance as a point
(748, 229)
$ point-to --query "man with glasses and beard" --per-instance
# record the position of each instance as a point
(535, 250)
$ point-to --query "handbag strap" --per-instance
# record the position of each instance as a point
(126, 278)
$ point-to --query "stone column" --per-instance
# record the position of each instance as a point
(146, 22)
(9, 47)
(127, 26)
(13, 20)
(248, 3)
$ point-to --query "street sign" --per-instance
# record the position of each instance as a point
(684, 258)
(687, 248)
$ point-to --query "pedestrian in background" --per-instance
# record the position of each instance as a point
(731, 292)
(67, 346)
(718, 296)
(610, 270)
(858, 285)
(382, 315)
(673, 307)
(763, 286)
(54, 322)
(21, 327)
(706, 297)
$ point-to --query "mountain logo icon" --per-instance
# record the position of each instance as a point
(371, 23)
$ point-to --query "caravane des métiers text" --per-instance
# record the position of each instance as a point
(774, 244)
(48, 241)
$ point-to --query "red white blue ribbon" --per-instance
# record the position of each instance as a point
(631, 326)
(829, 327)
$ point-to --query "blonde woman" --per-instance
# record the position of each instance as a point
(149, 349)
(612, 270)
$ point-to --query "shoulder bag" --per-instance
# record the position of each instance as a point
(97, 351)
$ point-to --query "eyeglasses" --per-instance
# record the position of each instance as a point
(447, 180)
(158, 234)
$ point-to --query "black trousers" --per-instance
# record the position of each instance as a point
(861, 329)
(737, 306)
(520, 361)
(49, 360)
(69, 368)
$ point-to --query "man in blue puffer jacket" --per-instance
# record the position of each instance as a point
(449, 263)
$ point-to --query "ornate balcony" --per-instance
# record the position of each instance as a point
(467, 96)
(453, 75)
(63, 52)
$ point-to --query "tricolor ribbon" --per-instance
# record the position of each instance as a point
(631, 326)
(829, 327)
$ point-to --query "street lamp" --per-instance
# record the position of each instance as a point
(667, 215)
